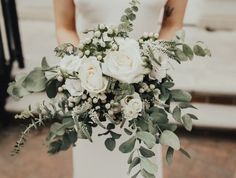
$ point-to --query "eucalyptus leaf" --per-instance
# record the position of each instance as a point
(187, 122)
(186, 105)
(35, 81)
(181, 56)
(128, 146)
(44, 63)
(136, 174)
(181, 96)
(177, 114)
(169, 155)
(185, 153)
(169, 138)
(145, 174)
(188, 51)
(147, 138)
(134, 163)
(148, 166)
(146, 152)
(110, 144)
(199, 51)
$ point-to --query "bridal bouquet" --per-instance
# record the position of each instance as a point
(112, 81)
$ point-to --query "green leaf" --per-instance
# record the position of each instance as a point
(147, 138)
(132, 16)
(146, 152)
(127, 131)
(181, 56)
(192, 116)
(115, 135)
(145, 174)
(135, 175)
(110, 144)
(199, 51)
(35, 81)
(187, 122)
(134, 163)
(158, 115)
(52, 88)
(169, 138)
(128, 146)
(148, 166)
(169, 155)
(186, 105)
(185, 153)
(181, 96)
(57, 129)
(130, 158)
(177, 114)
(168, 84)
(44, 63)
(188, 51)
(135, 8)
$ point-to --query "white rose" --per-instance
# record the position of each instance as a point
(126, 64)
(73, 86)
(132, 105)
(70, 64)
(91, 76)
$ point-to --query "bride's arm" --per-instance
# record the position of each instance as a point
(65, 22)
(173, 18)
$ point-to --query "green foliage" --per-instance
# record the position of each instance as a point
(181, 96)
(128, 145)
(110, 143)
(148, 139)
(148, 166)
(169, 155)
(146, 152)
(35, 81)
(170, 139)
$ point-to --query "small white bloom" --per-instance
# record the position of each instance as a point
(81, 54)
(152, 86)
(60, 78)
(102, 26)
(131, 106)
(103, 44)
(99, 57)
(95, 100)
(114, 47)
(110, 31)
(97, 34)
(87, 52)
(73, 86)
(70, 63)
(140, 40)
(125, 64)
(91, 76)
(88, 41)
(95, 41)
(141, 90)
(71, 105)
(108, 106)
(60, 89)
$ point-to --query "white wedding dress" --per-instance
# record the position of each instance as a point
(93, 160)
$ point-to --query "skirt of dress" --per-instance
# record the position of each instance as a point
(93, 160)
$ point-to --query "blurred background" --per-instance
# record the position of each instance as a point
(28, 34)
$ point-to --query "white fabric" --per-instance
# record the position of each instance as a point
(93, 160)
(92, 12)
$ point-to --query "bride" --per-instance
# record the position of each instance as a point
(75, 16)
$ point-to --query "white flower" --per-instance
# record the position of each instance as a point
(91, 76)
(73, 86)
(126, 64)
(131, 105)
(70, 64)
